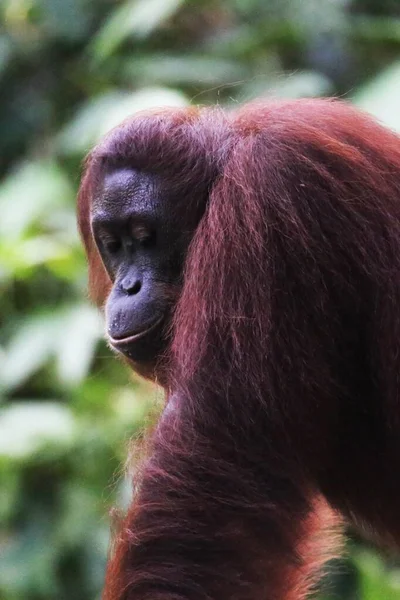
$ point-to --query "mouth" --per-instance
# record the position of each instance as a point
(120, 343)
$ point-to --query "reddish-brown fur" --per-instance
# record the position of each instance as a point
(284, 365)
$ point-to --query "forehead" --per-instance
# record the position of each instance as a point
(125, 190)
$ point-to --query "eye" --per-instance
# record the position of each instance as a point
(144, 235)
(111, 245)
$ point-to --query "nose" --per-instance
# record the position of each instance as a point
(131, 285)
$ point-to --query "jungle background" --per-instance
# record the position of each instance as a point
(70, 70)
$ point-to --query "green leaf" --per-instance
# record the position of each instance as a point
(29, 561)
(381, 97)
(26, 426)
(70, 334)
(5, 53)
(377, 581)
(200, 70)
(376, 29)
(68, 19)
(29, 193)
(16, 258)
(83, 327)
(28, 350)
(304, 84)
(105, 112)
(136, 18)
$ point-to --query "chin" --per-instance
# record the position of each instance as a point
(156, 371)
(144, 350)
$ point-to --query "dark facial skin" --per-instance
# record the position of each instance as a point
(142, 242)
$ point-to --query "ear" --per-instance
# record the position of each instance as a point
(99, 281)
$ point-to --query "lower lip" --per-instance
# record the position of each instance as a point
(133, 338)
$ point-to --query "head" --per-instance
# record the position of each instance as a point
(208, 200)
(142, 197)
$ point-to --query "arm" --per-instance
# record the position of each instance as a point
(212, 520)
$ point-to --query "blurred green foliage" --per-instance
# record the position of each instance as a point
(70, 70)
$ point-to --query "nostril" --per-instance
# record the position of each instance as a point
(131, 287)
(135, 289)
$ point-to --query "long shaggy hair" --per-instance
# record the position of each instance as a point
(283, 386)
